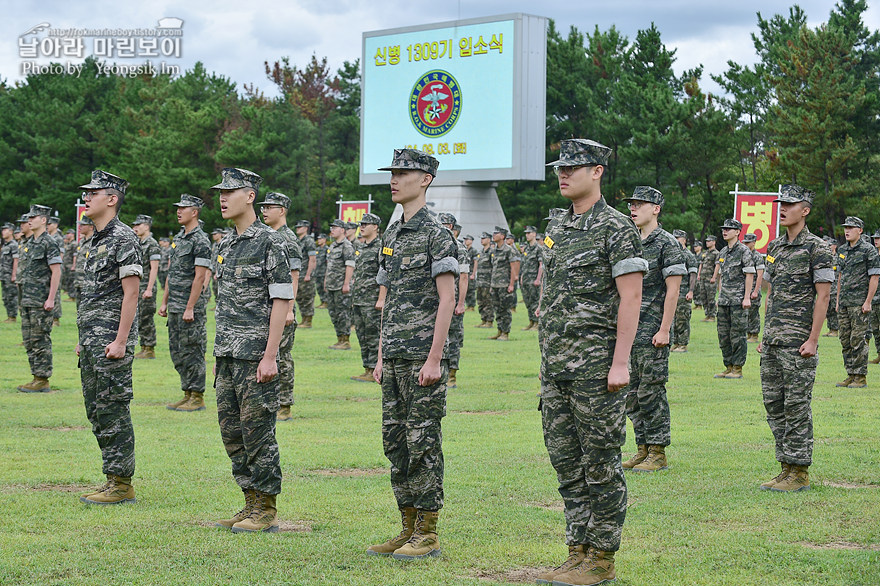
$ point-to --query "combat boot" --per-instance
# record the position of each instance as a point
(708, 319)
(735, 372)
(307, 322)
(680, 348)
(408, 519)
(798, 479)
(283, 413)
(529, 327)
(725, 373)
(484, 324)
(9, 320)
(469, 308)
(322, 306)
(752, 338)
(597, 568)
(655, 461)
(102, 489)
(830, 334)
(146, 352)
(196, 403)
(38, 385)
(174, 406)
(496, 336)
(875, 360)
(503, 337)
(346, 345)
(56, 322)
(249, 497)
(859, 381)
(576, 555)
(365, 377)
(118, 490)
(451, 383)
(637, 458)
(845, 382)
(786, 468)
(262, 516)
(424, 541)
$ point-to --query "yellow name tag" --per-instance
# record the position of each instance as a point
(770, 259)
(548, 242)
(387, 251)
(720, 260)
(834, 268)
(174, 245)
(219, 259)
(25, 249)
(357, 252)
(842, 255)
(87, 254)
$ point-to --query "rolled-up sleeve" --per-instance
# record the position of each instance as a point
(629, 265)
(673, 270)
(448, 264)
(823, 276)
(382, 278)
(131, 271)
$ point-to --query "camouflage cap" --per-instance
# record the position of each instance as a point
(850, 221)
(38, 210)
(648, 194)
(447, 218)
(218, 231)
(104, 180)
(530, 229)
(9, 226)
(164, 239)
(581, 151)
(790, 193)
(750, 237)
(351, 225)
(69, 231)
(485, 235)
(679, 234)
(371, 219)
(469, 237)
(86, 221)
(303, 224)
(234, 178)
(142, 219)
(711, 237)
(189, 201)
(53, 219)
(273, 198)
(876, 233)
(413, 159)
(337, 224)
(831, 240)
(499, 230)
(321, 236)
(731, 224)
(457, 227)
(24, 218)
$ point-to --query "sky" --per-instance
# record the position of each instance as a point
(236, 38)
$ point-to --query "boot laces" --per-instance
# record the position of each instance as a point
(571, 562)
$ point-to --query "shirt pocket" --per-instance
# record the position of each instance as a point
(248, 273)
(413, 261)
(587, 273)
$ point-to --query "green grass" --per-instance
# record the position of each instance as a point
(701, 522)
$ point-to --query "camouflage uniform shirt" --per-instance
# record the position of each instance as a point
(735, 263)
(665, 258)
(484, 267)
(531, 259)
(502, 256)
(188, 251)
(113, 254)
(149, 252)
(34, 273)
(292, 248)
(856, 264)
(8, 253)
(690, 261)
(364, 289)
(339, 256)
(413, 255)
(309, 249)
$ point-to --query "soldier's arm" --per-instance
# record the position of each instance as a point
(163, 309)
(462, 292)
(629, 287)
(714, 278)
(872, 288)
(514, 275)
(747, 295)
(760, 347)
(313, 261)
(154, 270)
(268, 367)
(196, 288)
(540, 274)
(837, 297)
(380, 303)
(430, 371)
(346, 284)
(116, 348)
(692, 283)
(823, 293)
(14, 267)
(54, 281)
(474, 267)
(670, 304)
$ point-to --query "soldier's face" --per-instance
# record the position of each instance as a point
(577, 182)
(35, 222)
(336, 232)
(369, 230)
(682, 241)
(729, 234)
(141, 230)
(187, 215)
(6, 233)
(530, 237)
(272, 215)
(235, 202)
(408, 184)
(792, 213)
(484, 241)
(498, 237)
(301, 230)
(642, 212)
(852, 234)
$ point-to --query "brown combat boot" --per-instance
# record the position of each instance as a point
(175, 405)
(342, 343)
(830, 334)
(859, 381)
(118, 490)
(306, 322)
(408, 519)
(147, 352)
(38, 385)
(725, 373)
(576, 555)
(484, 324)
(597, 568)
(637, 458)
(365, 377)
(250, 496)
(735, 372)
(283, 413)
(9, 320)
(529, 327)
(322, 306)
(655, 461)
(424, 541)
(496, 336)
(798, 479)
(262, 515)
(875, 360)
(102, 489)
(786, 468)
(451, 383)
(845, 382)
(196, 402)
(708, 319)
(680, 348)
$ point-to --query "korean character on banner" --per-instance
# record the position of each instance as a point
(497, 43)
(27, 48)
(102, 47)
(125, 47)
(170, 47)
(394, 55)
(73, 47)
(379, 57)
(464, 47)
(480, 47)
(147, 47)
(50, 47)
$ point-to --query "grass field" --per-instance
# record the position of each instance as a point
(703, 521)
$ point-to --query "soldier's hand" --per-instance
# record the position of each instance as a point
(147, 294)
(380, 305)
(754, 294)
(866, 308)
(266, 370)
(510, 288)
(289, 319)
(660, 339)
(747, 303)
(114, 350)
(163, 310)
(760, 347)
(618, 377)
(78, 348)
(459, 308)
(429, 374)
(536, 282)
(712, 280)
(307, 278)
(689, 296)
(188, 315)
(49, 305)
(377, 372)
(809, 348)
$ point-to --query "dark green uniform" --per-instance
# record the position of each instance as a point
(710, 290)
(365, 295)
(36, 256)
(339, 256)
(305, 292)
(856, 264)
(8, 254)
(681, 327)
(483, 282)
(470, 298)
(733, 319)
(502, 301)
(320, 270)
(531, 262)
(147, 307)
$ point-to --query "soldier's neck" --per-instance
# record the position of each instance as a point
(792, 231)
(191, 225)
(244, 220)
(584, 204)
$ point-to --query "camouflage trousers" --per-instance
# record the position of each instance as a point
(319, 286)
(470, 298)
(484, 299)
(503, 303)
(107, 392)
(681, 325)
(787, 385)
(833, 322)
(66, 278)
(531, 294)
(411, 434)
(755, 316)
(733, 321)
(339, 308)
(646, 403)
(584, 427)
(56, 311)
(187, 342)
(366, 325)
(455, 340)
(147, 318)
(246, 411)
(710, 303)
(854, 331)
(285, 365)
(161, 277)
(305, 297)
(36, 333)
(10, 298)
(699, 293)
(875, 324)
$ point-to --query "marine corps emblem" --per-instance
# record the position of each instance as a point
(435, 103)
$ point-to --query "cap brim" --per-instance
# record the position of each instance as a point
(91, 186)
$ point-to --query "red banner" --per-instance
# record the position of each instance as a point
(353, 211)
(759, 215)
(80, 208)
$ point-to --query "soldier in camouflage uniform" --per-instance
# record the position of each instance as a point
(681, 327)
(736, 271)
(875, 308)
(8, 256)
(150, 257)
(184, 304)
(321, 250)
(646, 402)
(86, 231)
(833, 322)
(165, 256)
(274, 210)
(593, 269)
(754, 328)
(859, 267)
(337, 284)
(456, 326)
(706, 278)
(699, 254)
(108, 332)
(368, 297)
(39, 277)
(53, 231)
(67, 253)
(798, 275)
(471, 298)
(482, 268)
(305, 291)
(505, 272)
(418, 265)
(256, 294)
(530, 278)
